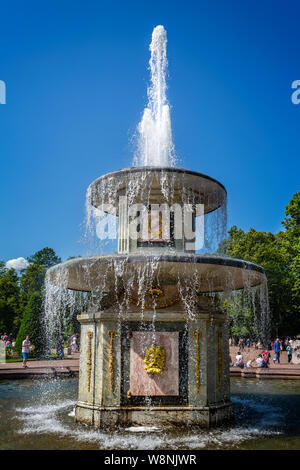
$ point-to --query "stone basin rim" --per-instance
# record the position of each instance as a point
(167, 169)
(168, 258)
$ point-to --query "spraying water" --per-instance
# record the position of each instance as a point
(155, 145)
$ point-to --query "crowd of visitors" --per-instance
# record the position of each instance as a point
(263, 358)
(73, 342)
(9, 343)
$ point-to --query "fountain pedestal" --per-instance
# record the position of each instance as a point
(192, 389)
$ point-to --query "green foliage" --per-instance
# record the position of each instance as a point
(32, 279)
(16, 291)
(31, 325)
(45, 257)
(10, 306)
(279, 254)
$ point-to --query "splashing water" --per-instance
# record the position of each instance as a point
(155, 145)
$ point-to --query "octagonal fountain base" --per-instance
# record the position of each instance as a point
(117, 389)
(163, 416)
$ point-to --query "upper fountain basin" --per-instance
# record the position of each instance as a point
(210, 273)
(156, 185)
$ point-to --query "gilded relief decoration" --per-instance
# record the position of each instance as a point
(156, 298)
(89, 361)
(220, 359)
(197, 336)
(155, 359)
(111, 334)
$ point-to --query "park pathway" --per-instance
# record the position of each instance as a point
(69, 367)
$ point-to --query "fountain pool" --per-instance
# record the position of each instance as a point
(40, 415)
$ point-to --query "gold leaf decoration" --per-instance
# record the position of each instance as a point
(89, 361)
(197, 336)
(155, 359)
(220, 360)
(111, 334)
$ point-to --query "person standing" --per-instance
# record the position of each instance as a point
(248, 344)
(60, 347)
(77, 342)
(25, 351)
(289, 352)
(277, 350)
(74, 343)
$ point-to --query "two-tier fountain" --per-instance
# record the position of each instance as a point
(154, 340)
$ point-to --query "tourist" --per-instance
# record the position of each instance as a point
(289, 352)
(259, 361)
(74, 344)
(231, 364)
(266, 358)
(60, 347)
(77, 342)
(5, 337)
(277, 346)
(248, 343)
(239, 360)
(249, 364)
(25, 351)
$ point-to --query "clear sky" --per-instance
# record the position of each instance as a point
(76, 74)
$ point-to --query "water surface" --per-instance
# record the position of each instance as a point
(40, 415)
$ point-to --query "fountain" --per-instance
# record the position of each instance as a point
(154, 339)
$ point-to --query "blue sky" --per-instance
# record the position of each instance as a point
(76, 77)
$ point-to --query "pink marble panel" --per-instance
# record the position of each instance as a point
(144, 384)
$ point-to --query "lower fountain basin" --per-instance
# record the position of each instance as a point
(211, 273)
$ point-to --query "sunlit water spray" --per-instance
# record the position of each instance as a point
(155, 144)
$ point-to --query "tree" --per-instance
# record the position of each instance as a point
(9, 300)
(31, 325)
(33, 277)
(45, 257)
(279, 254)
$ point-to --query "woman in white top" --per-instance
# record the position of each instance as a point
(239, 360)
